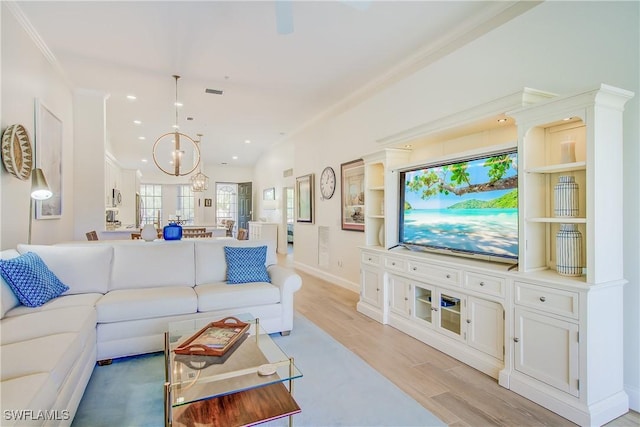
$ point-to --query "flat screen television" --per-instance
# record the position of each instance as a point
(465, 207)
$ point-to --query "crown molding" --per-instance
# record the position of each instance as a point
(24, 22)
(465, 33)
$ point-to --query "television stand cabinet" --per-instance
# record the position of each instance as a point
(555, 339)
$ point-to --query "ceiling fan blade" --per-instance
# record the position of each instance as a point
(284, 16)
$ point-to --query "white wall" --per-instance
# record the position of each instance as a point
(26, 75)
(559, 47)
(269, 171)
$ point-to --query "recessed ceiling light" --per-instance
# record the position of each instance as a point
(175, 126)
(142, 138)
(144, 160)
(178, 104)
(137, 122)
(566, 119)
(246, 141)
(131, 97)
(502, 120)
(408, 146)
(235, 157)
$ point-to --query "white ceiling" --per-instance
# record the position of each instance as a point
(273, 84)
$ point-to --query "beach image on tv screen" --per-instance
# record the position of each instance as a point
(471, 206)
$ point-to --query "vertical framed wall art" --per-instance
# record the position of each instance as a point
(49, 158)
(352, 177)
(304, 198)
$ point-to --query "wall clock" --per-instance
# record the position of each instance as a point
(17, 154)
(327, 183)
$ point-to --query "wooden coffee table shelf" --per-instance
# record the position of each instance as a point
(245, 408)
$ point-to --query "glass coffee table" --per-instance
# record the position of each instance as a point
(250, 384)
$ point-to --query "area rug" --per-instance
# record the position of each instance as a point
(337, 389)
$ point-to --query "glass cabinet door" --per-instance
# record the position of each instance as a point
(451, 312)
(424, 296)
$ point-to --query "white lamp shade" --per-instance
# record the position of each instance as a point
(39, 187)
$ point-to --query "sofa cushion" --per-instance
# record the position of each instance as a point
(246, 265)
(152, 264)
(32, 392)
(211, 265)
(220, 296)
(8, 299)
(31, 280)
(49, 322)
(84, 268)
(132, 304)
(88, 300)
(54, 354)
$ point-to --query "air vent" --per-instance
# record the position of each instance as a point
(214, 91)
(288, 172)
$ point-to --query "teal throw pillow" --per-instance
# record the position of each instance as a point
(246, 265)
(31, 280)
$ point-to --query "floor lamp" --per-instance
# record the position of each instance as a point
(39, 191)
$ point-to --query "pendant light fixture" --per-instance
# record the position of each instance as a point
(168, 150)
(199, 181)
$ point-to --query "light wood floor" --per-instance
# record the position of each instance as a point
(456, 393)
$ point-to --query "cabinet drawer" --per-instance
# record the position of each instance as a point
(395, 264)
(486, 284)
(547, 299)
(434, 273)
(369, 258)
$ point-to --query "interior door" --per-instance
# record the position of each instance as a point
(245, 206)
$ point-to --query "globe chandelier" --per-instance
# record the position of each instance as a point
(169, 152)
(199, 181)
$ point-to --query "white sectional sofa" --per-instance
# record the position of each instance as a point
(121, 297)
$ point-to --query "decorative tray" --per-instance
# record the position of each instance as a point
(215, 339)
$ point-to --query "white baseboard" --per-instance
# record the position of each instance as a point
(355, 287)
(634, 397)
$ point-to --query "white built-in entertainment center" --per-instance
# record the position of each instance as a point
(552, 338)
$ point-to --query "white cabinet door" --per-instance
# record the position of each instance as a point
(371, 287)
(400, 295)
(547, 349)
(485, 326)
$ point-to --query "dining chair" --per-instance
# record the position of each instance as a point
(229, 224)
(243, 234)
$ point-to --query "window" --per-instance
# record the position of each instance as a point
(185, 204)
(150, 203)
(227, 202)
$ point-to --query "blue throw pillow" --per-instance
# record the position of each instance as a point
(31, 280)
(246, 265)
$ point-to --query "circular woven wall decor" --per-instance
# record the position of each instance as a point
(17, 154)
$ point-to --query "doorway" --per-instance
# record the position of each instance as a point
(289, 216)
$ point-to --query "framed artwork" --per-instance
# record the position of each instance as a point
(49, 159)
(207, 203)
(352, 177)
(304, 198)
(269, 194)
